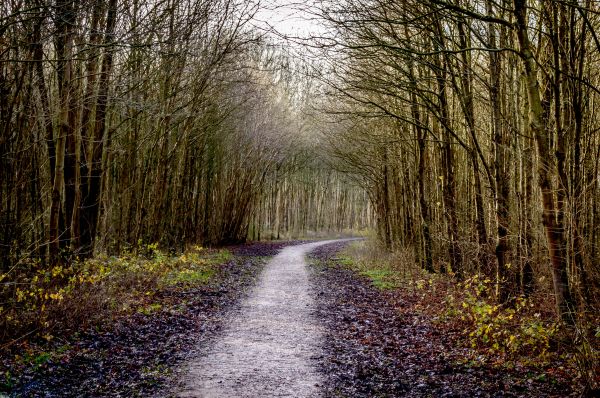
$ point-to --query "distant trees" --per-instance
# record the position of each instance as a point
(460, 108)
(313, 201)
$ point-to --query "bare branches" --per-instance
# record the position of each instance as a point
(472, 83)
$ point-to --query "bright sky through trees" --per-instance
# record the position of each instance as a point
(287, 19)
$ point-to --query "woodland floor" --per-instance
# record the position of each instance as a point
(140, 355)
(372, 343)
(378, 345)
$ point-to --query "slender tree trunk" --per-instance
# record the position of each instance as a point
(91, 202)
(65, 17)
(421, 134)
(540, 131)
(501, 167)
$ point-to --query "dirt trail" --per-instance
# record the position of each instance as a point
(268, 347)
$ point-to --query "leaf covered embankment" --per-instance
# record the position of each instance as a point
(155, 310)
(388, 337)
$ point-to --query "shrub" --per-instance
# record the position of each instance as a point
(510, 329)
(41, 301)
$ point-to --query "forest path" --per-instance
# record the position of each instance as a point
(268, 346)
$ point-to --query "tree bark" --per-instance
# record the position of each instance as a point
(91, 202)
(546, 170)
(65, 17)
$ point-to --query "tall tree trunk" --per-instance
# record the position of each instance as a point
(421, 135)
(474, 153)
(501, 166)
(91, 202)
(449, 181)
(546, 170)
(65, 21)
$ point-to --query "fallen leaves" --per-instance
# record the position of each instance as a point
(137, 355)
(381, 343)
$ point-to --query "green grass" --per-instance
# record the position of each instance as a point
(222, 256)
(381, 278)
(347, 262)
(198, 269)
(384, 270)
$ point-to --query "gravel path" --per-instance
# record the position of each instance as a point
(141, 355)
(270, 345)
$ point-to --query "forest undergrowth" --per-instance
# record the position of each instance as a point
(45, 307)
(523, 336)
(44, 301)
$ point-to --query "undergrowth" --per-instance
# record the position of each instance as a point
(522, 333)
(42, 303)
(43, 308)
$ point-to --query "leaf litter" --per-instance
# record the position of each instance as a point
(378, 345)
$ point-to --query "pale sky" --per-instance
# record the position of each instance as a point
(288, 18)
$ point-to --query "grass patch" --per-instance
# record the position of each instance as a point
(381, 278)
(386, 271)
(199, 268)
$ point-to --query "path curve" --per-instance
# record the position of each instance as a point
(268, 347)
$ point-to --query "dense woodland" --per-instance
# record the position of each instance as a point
(474, 126)
(465, 131)
(170, 122)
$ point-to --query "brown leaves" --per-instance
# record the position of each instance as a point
(384, 343)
